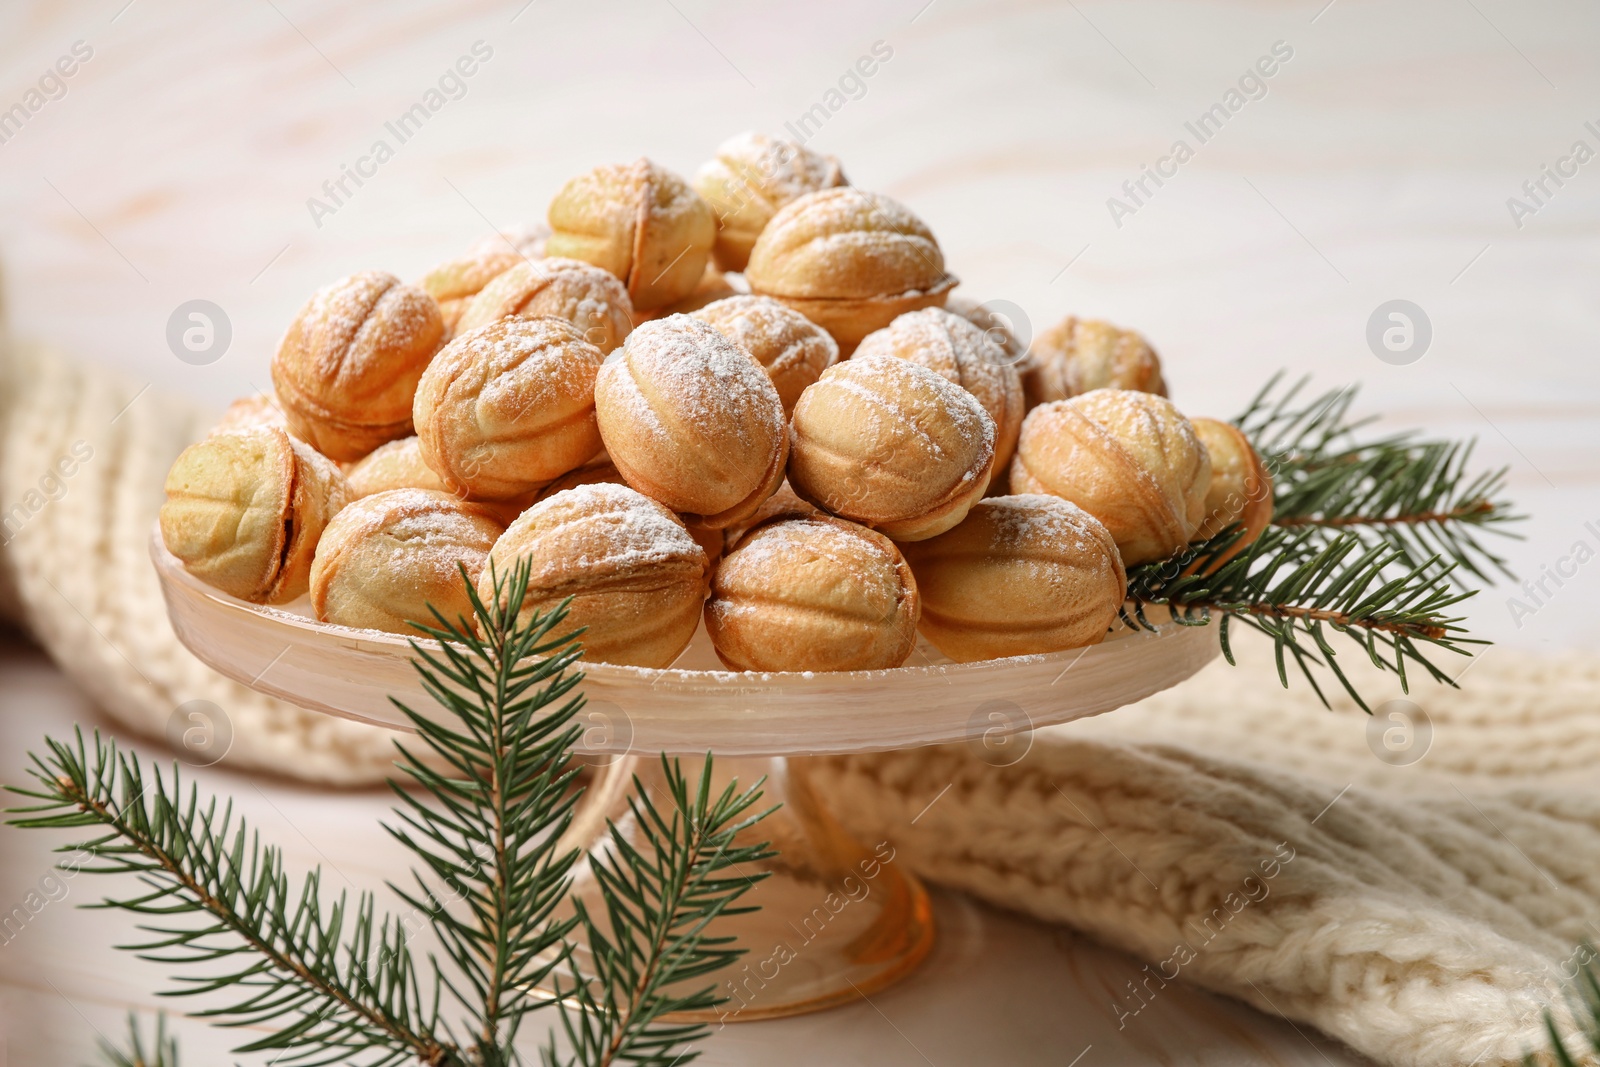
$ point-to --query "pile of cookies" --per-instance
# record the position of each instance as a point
(750, 399)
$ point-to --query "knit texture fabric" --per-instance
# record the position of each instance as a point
(1228, 833)
(77, 565)
(1251, 842)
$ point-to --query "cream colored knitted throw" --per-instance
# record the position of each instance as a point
(1226, 833)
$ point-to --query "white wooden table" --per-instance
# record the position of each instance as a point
(1375, 165)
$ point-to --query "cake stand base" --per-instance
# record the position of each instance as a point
(839, 919)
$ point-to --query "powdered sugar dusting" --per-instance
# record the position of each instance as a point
(684, 364)
(508, 343)
(935, 414)
(1028, 520)
(330, 320)
(434, 531)
(844, 567)
(602, 528)
(942, 341)
(847, 210)
(794, 351)
(1151, 428)
(779, 169)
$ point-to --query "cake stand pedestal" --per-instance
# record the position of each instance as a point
(839, 918)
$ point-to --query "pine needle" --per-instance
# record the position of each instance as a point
(163, 1053)
(1584, 1006)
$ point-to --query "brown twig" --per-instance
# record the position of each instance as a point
(1287, 611)
(1476, 507)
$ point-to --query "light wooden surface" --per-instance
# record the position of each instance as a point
(1377, 166)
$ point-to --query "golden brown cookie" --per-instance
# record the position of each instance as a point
(691, 420)
(785, 503)
(1020, 575)
(1241, 486)
(1128, 458)
(385, 558)
(588, 474)
(955, 348)
(998, 321)
(813, 594)
(793, 349)
(636, 577)
(506, 408)
(1077, 355)
(347, 368)
(595, 474)
(892, 445)
(244, 511)
(584, 295)
(850, 261)
(714, 285)
(454, 283)
(639, 221)
(251, 412)
(749, 179)
(396, 465)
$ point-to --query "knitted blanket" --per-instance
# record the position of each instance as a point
(1228, 833)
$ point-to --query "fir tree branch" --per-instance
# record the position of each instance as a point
(195, 861)
(488, 830)
(1367, 540)
(337, 984)
(1410, 493)
(163, 1053)
(1298, 587)
(659, 901)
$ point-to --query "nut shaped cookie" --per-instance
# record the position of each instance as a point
(892, 445)
(713, 286)
(850, 261)
(455, 282)
(586, 296)
(637, 579)
(244, 511)
(999, 321)
(954, 347)
(793, 349)
(1240, 491)
(691, 420)
(386, 557)
(506, 408)
(594, 474)
(749, 179)
(1020, 575)
(396, 465)
(784, 503)
(639, 221)
(1077, 355)
(1128, 458)
(251, 412)
(347, 368)
(813, 594)
(588, 474)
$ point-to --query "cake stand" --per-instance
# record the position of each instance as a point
(839, 918)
